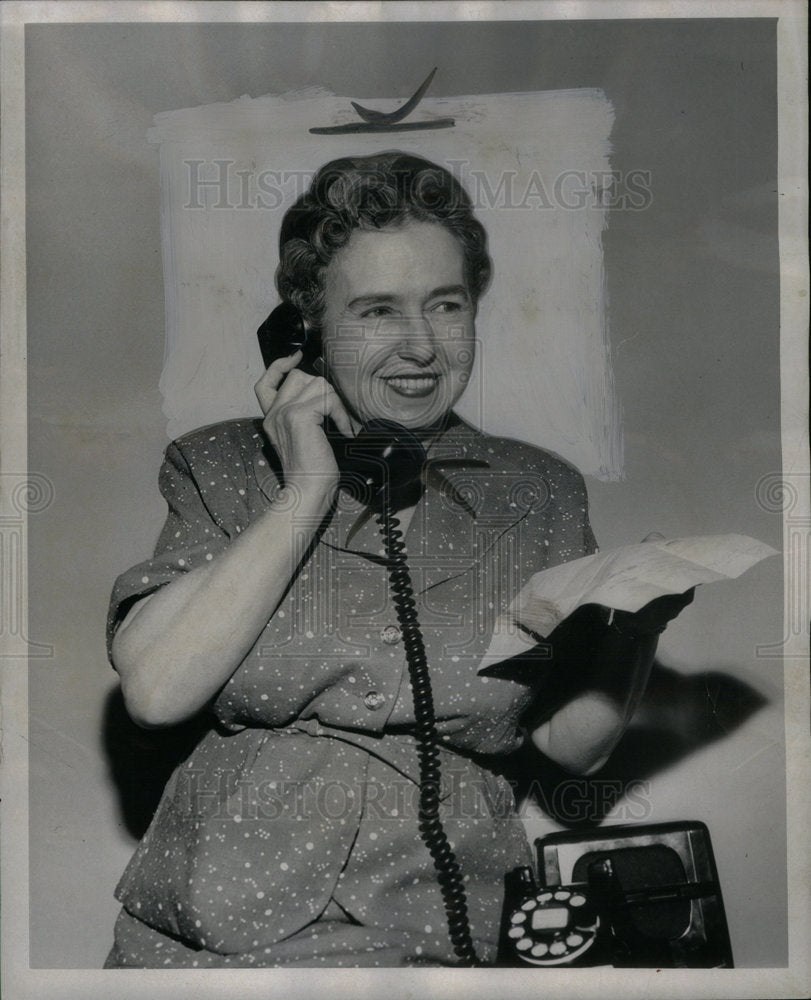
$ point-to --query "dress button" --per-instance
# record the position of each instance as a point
(373, 700)
(391, 635)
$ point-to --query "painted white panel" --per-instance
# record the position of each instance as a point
(534, 164)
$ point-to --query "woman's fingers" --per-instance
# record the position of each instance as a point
(268, 385)
(654, 617)
(295, 403)
(339, 416)
(312, 394)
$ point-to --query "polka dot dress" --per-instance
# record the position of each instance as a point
(290, 836)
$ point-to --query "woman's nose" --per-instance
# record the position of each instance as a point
(417, 339)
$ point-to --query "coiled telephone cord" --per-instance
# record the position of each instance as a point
(433, 834)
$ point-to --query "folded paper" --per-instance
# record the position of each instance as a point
(625, 579)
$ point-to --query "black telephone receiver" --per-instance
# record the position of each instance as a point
(385, 460)
(282, 333)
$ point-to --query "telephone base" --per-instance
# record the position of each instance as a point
(622, 897)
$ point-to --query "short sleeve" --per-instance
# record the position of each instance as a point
(589, 541)
(571, 536)
(190, 538)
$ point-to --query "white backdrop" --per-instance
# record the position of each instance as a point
(534, 164)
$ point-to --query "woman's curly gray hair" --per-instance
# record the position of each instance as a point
(381, 191)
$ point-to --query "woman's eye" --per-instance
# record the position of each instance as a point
(376, 312)
(447, 307)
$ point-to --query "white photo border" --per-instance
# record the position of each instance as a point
(20, 982)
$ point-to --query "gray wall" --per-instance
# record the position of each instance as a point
(693, 287)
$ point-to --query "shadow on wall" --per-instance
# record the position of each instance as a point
(142, 760)
(678, 715)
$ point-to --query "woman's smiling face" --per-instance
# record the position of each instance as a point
(398, 331)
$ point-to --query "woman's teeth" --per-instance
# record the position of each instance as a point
(412, 385)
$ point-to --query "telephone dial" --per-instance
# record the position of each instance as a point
(635, 896)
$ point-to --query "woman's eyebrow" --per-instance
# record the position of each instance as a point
(448, 290)
(387, 298)
(374, 299)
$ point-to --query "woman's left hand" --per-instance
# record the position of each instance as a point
(654, 617)
(582, 733)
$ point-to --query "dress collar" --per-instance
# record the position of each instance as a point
(468, 502)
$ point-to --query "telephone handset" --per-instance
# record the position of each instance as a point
(282, 333)
(386, 460)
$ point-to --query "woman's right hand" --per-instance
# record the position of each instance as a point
(177, 647)
(296, 406)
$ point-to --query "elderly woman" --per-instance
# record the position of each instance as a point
(295, 832)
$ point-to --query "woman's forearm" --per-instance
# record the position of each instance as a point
(177, 647)
(582, 733)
